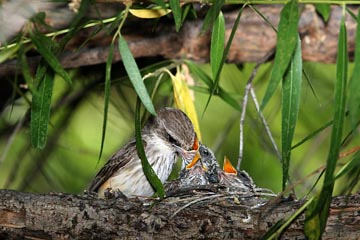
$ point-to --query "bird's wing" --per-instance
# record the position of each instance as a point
(116, 162)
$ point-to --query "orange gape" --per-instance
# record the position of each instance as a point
(196, 144)
(197, 156)
(228, 167)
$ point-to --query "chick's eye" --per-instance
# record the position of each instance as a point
(204, 152)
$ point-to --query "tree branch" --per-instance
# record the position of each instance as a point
(216, 215)
(253, 39)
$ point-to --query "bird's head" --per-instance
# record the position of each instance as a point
(174, 126)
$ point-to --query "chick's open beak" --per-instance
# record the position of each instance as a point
(228, 167)
(194, 161)
(197, 155)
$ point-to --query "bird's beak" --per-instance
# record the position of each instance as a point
(194, 161)
(228, 167)
(197, 155)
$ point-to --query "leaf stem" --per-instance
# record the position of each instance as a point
(125, 14)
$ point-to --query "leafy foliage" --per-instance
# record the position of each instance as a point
(290, 107)
(41, 105)
(354, 85)
(318, 214)
(286, 43)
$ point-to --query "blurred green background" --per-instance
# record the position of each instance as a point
(70, 159)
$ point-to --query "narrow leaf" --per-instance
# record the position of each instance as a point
(195, 70)
(228, 99)
(354, 163)
(107, 95)
(318, 215)
(149, 13)
(161, 3)
(41, 105)
(176, 9)
(354, 85)
(148, 170)
(134, 75)
(76, 23)
(313, 134)
(290, 108)
(212, 14)
(7, 53)
(188, 8)
(217, 44)
(215, 88)
(353, 15)
(324, 10)
(44, 45)
(25, 69)
(312, 222)
(286, 43)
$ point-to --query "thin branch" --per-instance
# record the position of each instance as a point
(248, 87)
(267, 128)
(225, 216)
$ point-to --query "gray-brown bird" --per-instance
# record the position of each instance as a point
(228, 176)
(238, 179)
(201, 171)
(166, 136)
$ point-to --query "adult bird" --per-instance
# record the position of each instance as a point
(165, 136)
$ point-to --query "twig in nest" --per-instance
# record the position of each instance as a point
(193, 202)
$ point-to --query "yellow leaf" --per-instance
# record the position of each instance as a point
(184, 99)
(149, 13)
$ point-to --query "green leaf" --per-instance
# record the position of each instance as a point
(148, 170)
(311, 229)
(354, 163)
(45, 46)
(228, 99)
(354, 85)
(7, 53)
(77, 23)
(161, 3)
(321, 210)
(313, 134)
(41, 105)
(324, 10)
(223, 58)
(353, 15)
(211, 15)
(188, 8)
(272, 230)
(217, 44)
(286, 43)
(291, 93)
(199, 73)
(266, 20)
(176, 9)
(195, 70)
(134, 75)
(25, 69)
(107, 95)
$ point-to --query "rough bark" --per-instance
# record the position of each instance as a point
(254, 38)
(196, 216)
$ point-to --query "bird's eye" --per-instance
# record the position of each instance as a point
(204, 152)
(172, 140)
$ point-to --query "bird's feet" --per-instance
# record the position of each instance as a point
(89, 194)
(110, 193)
